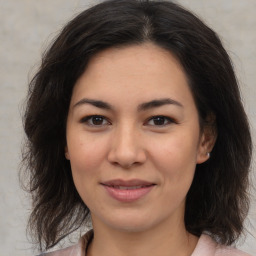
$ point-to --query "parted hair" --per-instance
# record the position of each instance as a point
(217, 202)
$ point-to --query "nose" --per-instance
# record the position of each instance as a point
(126, 148)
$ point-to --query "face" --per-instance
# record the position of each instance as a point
(133, 138)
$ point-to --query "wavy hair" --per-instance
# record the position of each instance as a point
(217, 201)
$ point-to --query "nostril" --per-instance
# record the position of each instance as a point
(126, 153)
(126, 166)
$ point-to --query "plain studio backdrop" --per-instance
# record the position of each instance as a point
(27, 26)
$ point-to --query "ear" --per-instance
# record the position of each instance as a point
(207, 139)
(67, 153)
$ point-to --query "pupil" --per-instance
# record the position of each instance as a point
(97, 120)
(159, 120)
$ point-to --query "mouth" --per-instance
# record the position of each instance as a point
(127, 191)
(128, 188)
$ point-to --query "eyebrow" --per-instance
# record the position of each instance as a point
(158, 103)
(96, 103)
(142, 107)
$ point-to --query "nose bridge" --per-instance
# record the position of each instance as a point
(126, 148)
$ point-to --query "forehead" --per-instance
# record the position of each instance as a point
(134, 60)
(133, 72)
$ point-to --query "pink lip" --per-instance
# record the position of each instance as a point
(128, 194)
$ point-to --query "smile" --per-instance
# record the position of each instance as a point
(127, 191)
(128, 188)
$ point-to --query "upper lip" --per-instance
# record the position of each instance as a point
(127, 183)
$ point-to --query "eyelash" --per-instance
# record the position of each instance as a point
(168, 119)
(88, 120)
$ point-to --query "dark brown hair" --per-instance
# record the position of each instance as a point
(217, 201)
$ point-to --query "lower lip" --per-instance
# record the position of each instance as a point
(128, 195)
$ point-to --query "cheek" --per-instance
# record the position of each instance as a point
(175, 159)
(86, 155)
(86, 159)
(178, 150)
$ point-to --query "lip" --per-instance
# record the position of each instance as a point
(127, 191)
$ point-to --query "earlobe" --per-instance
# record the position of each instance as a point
(66, 153)
(204, 149)
(207, 142)
(203, 157)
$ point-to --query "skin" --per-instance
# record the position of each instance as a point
(127, 143)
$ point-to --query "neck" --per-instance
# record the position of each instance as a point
(154, 241)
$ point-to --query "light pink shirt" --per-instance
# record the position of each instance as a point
(206, 246)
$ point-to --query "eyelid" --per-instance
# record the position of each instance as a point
(87, 118)
(169, 119)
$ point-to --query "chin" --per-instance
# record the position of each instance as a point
(131, 222)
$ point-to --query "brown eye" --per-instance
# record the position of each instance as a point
(95, 120)
(159, 121)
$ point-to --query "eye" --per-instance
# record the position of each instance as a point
(160, 121)
(95, 120)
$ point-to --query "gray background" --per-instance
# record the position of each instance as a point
(26, 28)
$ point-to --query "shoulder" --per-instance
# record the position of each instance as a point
(69, 251)
(75, 250)
(208, 247)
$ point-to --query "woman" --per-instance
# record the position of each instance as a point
(135, 119)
